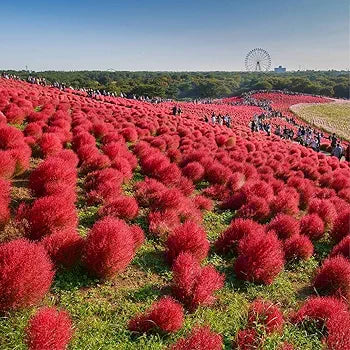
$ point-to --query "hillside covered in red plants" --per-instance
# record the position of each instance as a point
(124, 225)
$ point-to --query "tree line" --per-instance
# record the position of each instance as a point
(195, 85)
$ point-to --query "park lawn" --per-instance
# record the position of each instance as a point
(330, 117)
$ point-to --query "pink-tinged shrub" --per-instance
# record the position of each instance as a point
(190, 238)
(284, 225)
(47, 215)
(236, 181)
(324, 208)
(109, 248)
(342, 248)
(260, 258)
(96, 178)
(255, 208)
(64, 247)
(194, 171)
(34, 130)
(122, 207)
(332, 319)
(312, 226)
(247, 339)
(286, 346)
(201, 338)
(203, 203)
(298, 247)
(7, 165)
(286, 202)
(217, 173)
(4, 202)
(49, 329)
(147, 191)
(161, 223)
(265, 313)
(333, 277)
(167, 199)
(341, 227)
(165, 315)
(14, 114)
(53, 171)
(129, 134)
(22, 157)
(26, 274)
(50, 144)
(138, 236)
(192, 284)
(238, 229)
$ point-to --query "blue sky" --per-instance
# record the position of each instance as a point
(174, 35)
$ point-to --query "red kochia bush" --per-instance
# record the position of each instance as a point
(188, 237)
(341, 226)
(122, 207)
(26, 274)
(64, 247)
(201, 338)
(109, 247)
(266, 314)
(238, 229)
(284, 225)
(312, 225)
(4, 202)
(260, 258)
(255, 208)
(298, 247)
(49, 214)
(50, 144)
(247, 339)
(49, 329)
(342, 248)
(192, 284)
(333, 277)
(193, 171)
(165, 315)
(325, 209)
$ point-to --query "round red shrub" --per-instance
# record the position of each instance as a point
(333, 277)
(203, 203)
(286, 202)
(247, 339)
(194, 171)
(109, 248)
(324, 208)
(64, 247)
(265, 313)
(26, 274)
(238, 229)
(189, 237)
(255, 208)
(7, 165)
(342, 248)
(260, 258)
(201, 338)
(298, 247)
(49, 329)
(284, 225)
(312, 226)
(122, 207)
(217, 173)
(165, 315)
(341, 227)
(161, 223)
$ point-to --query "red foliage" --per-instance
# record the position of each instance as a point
(138, 236)
(50, 144)
(266, 314)
(238, 229)
(260, 258)
(312, 225)
(333, 277)
(247, 339)
(341, 227)
(201, 338)
(49, 214)
(324, 208)
(165, 315)
(203, 203)
(7, 165)
(284, 225)
(188, 237)
(194, 171)
(109, 247)
(342, 248)
(217, 173)
(26, 274)
(192, 284)
(122, 207)
(4, 202)
(298, 247)
(49, 329)
(286, 202)
(64, 247)
(161, 223)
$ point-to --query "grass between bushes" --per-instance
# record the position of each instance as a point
(101, 310)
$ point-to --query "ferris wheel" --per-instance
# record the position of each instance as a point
(258, 60)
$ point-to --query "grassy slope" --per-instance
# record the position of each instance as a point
(331, 117)
(100, 311)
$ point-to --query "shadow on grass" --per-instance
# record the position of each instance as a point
(150, 291)
(73, 279)
(152, 260)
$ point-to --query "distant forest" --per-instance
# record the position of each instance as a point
(193, 85)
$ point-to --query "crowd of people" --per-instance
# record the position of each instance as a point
(219, 119)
